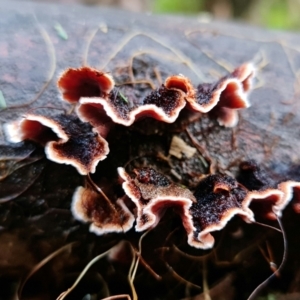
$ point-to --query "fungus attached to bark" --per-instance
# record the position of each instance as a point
(152, 193)
(91, 207)
(226, 95)
(290, 189)
(216, 200)
(67, 140)
(127, 104)
(219, 198)
(100, 102)
(84, 82)
(267, 198)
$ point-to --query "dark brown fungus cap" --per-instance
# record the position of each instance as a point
(152, 193)
(125, 105)
(225, 95)
(219, 198)
(90, 207)
(84, 82)
(268, 199)
(67, 140)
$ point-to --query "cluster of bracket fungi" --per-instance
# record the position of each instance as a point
(80, 141)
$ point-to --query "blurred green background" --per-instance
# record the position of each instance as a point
(279, 14)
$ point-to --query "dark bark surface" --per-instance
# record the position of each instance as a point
(35, 194)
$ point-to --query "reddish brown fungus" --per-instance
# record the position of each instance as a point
(152, 193)
(99, 101)
(219, 198)
(90, 207)
(84, 82)
(182, 83)
(216, 200)
(225, 96)
(268, 199)
(67, 140)
(126, 105)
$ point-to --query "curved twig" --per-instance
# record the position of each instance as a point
(255, 293)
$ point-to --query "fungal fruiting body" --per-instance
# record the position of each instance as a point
(276, 196)
(67, 140)
(90, 207)
(99, 103)
(125, 104)
(219, 198)
(153, 193)
(80, 141)
(216, 200)
(84, 82)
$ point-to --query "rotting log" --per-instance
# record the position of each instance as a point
(37, 42)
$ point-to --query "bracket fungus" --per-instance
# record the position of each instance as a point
(97, 98)
(126, 105)
(79, 141)
(169, 172)
(219, 198)
(216, 200)
(152, 193)
(91, 207)
(67, 140)
(269, 197)
(226, 95)
(84, 82)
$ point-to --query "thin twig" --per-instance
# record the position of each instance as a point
(268, 226)
(133, 270)
(202, 151)
(98, 189)
(68, 291)
(205, 284)
(51, 51)
(185, 60)
(258, 289)
(90, 38)
(117, 297)
(150, 83)
(180, 278)
(42, 263)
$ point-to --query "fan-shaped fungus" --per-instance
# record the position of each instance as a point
(67, 140)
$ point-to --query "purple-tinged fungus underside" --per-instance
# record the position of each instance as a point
(90, 207)
(152, 193)
(84, 82)
(67, 140)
